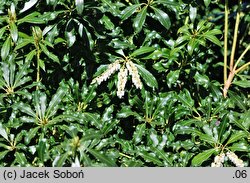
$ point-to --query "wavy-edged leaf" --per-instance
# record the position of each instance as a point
(26, 109)
(236, 98)
(60, 160)
(49, 54)
(237, 136)
(21, 159)
(130, 10)
(240, 146)
(5, 50)
(149, 79)
(140, 19)
(201, 157)
(150, 158)
(139, 132)
(161, 154)
(162, 17)
(56, 99)
(31, 134)
(101, 157)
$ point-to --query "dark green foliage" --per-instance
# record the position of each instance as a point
(63, 100)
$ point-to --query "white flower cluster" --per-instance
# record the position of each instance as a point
(110, 70)
(234, 158)
(133, 71)
(129, 67)
(122, 80)
(219, 159)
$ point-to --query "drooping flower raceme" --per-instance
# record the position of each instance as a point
(122, 79)
(133, 71)
(127, 67)
(219, 159)
(234, 158)
(110, 70)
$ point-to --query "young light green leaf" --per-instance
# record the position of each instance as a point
(192, 13)
(130, 10)
(201, 157)
(149, 79)
(140, 19)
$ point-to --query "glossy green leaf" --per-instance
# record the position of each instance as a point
(162, 17)
(149, 79)
(140, 19)
(213, 39)
(103, 158)
(13, 31)
(150, 158)
(31, 134)
(237, 100)
(79, 6)
(28, 5)
(242, 83)
(128, 11)
(202, 80)
(167, 2)
(142, 51)
(21, 159)
(49, 54)
(60, 160)
(172, 77)
(241, 146)
(237, 136)
(201, 157)
(5, 50)
(139, 132)
(56, 99)
(41, 149)
(2, 31)
(3, 132)
(192, 13)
